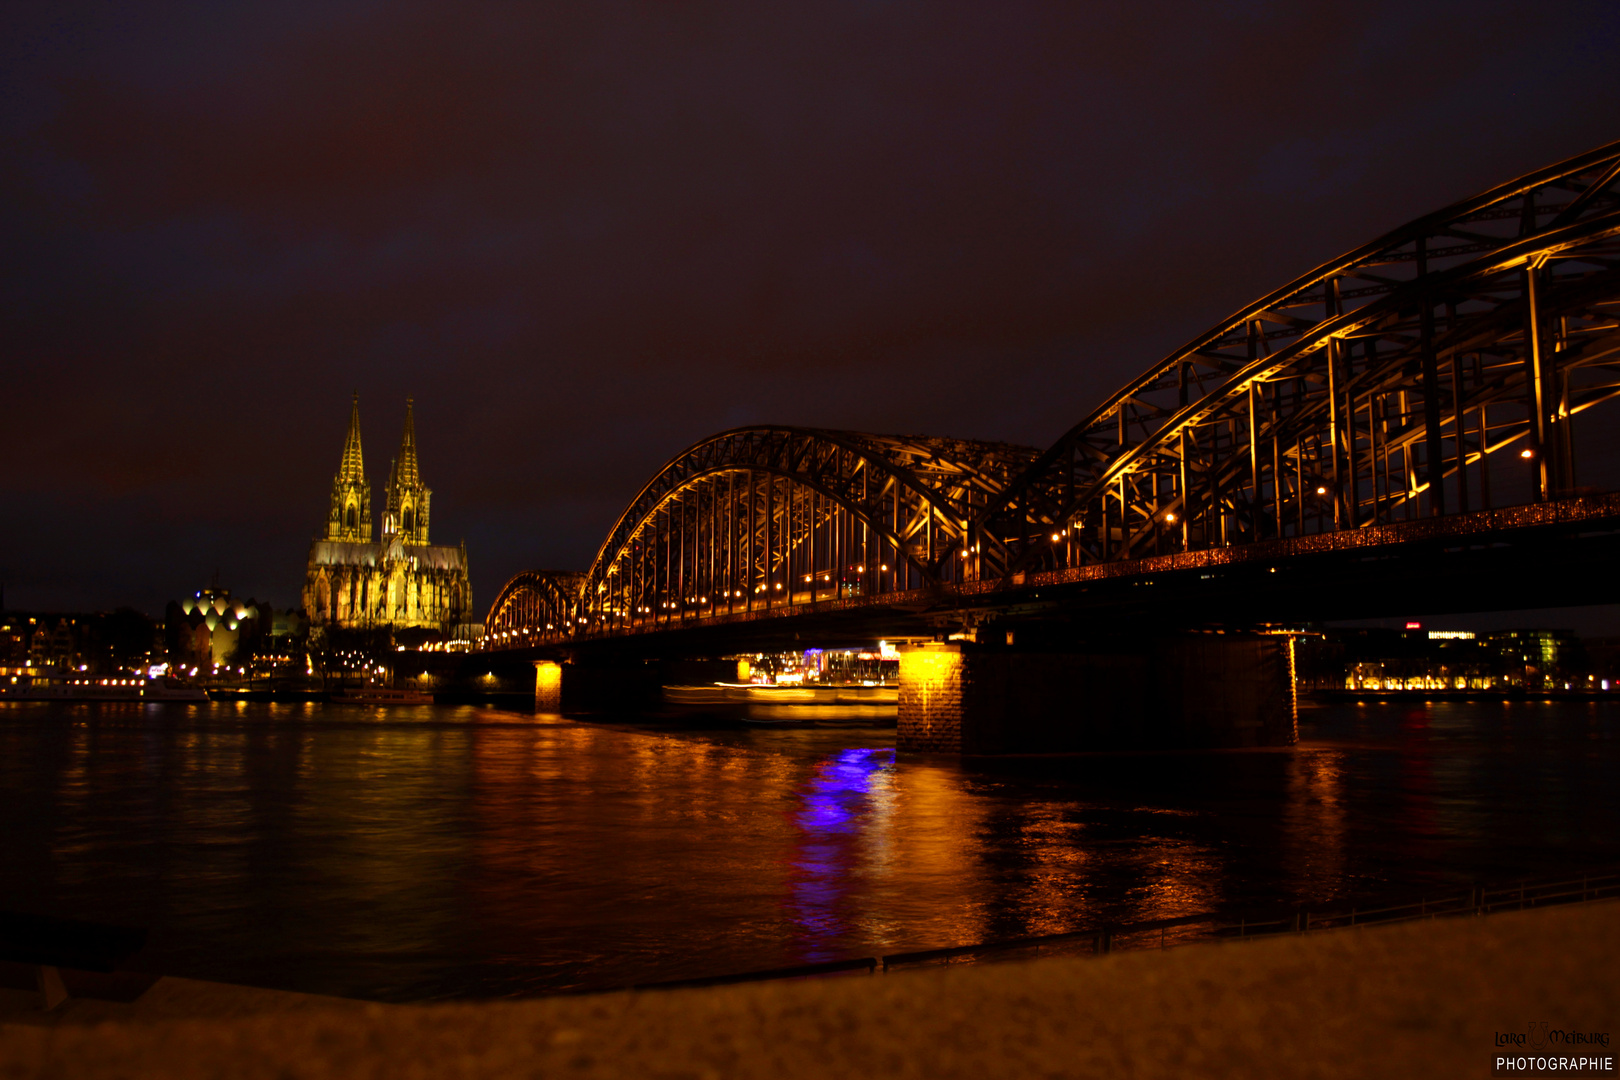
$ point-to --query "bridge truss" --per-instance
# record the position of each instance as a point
(1438, 370)
(534, 605)
(756, 519)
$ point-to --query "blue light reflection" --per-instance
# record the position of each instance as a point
(846, 794)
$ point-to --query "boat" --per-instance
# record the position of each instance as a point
(878, 694)
(797, 705)
(382, 695)
(166, 688)
(104, 688)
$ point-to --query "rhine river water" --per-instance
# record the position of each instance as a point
(439, 852)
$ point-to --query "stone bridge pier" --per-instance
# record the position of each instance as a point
(1184, 691)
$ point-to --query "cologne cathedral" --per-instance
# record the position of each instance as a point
(397, 581)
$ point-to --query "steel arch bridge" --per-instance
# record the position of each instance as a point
(535, 604)
(1434, 372)
(761, 519)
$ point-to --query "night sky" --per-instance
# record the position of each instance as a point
(584, 235)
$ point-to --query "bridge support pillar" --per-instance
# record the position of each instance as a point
(932, 711)
(548, 681)
(1194, 690)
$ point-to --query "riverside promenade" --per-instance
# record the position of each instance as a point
(1428, 999)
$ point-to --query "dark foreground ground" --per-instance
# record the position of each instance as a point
(1417, 1000)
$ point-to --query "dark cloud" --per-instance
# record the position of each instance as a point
(585, 235)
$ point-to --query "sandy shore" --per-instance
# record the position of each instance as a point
(1416, 1000)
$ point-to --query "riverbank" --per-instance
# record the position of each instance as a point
(1515, 694)
(1418, 999)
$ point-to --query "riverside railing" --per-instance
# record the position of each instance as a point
(1191, 929)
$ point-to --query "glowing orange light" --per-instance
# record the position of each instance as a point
(1527, 453)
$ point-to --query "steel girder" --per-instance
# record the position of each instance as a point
(1375, 388)
(531, 606)
(758, 517)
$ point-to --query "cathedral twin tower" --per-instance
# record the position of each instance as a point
(398, 580)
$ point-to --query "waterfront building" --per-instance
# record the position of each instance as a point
(1418, 659)
(105, 643)
(399, 580)
(209, 629)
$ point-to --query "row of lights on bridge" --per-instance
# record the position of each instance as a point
(671, 604)
(1170, 516)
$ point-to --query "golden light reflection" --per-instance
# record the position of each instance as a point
(1315, 823)
(936, 878)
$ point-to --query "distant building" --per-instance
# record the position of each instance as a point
(291, 623)
(1382, 660)
(53, 642)
(209, 629)
(399, 580)
(103, 643)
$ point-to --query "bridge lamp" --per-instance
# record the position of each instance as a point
(1321, 491)
(1171, 518)
(1527, 453)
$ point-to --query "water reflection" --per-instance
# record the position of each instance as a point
(1315, 819)
(842, 839)
(414, 854)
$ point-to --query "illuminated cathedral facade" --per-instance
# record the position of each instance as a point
(398, 579)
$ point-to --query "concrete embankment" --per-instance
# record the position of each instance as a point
(1422, 999)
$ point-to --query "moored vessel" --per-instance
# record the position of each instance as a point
(52, 686)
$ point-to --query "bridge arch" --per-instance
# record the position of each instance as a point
(532, 606)
(1375, 388)
(760, 517)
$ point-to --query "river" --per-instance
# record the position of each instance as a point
(415, 854)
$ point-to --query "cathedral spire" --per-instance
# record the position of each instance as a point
(352, 469)
(406, 511)
(407, 474)
(350, 515)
